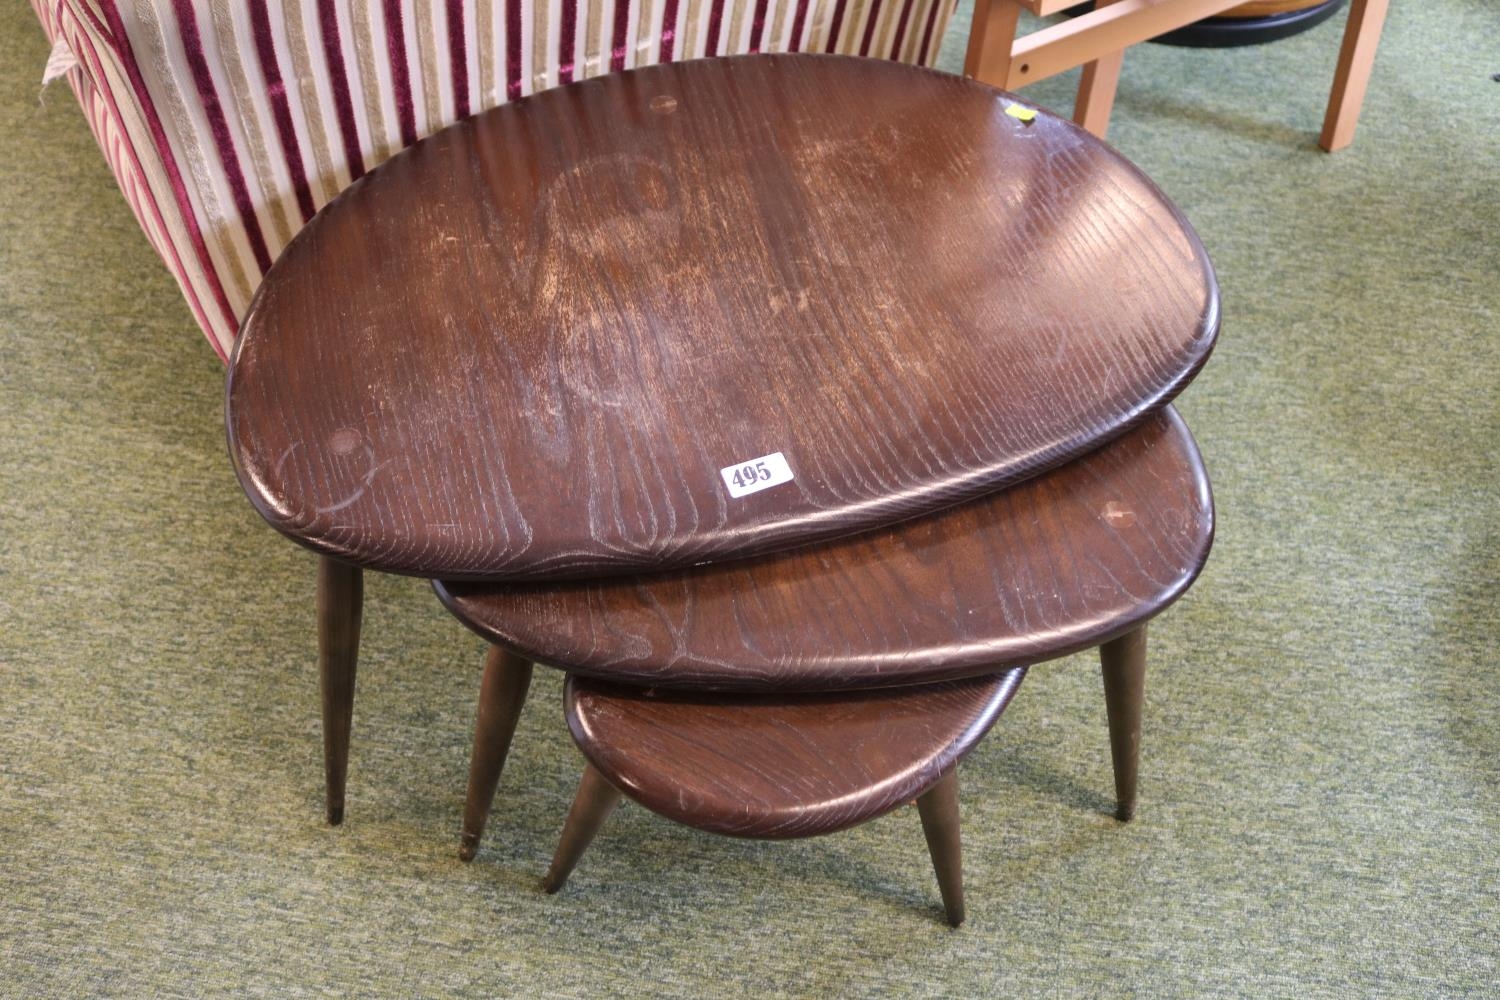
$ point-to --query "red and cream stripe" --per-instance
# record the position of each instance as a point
(230, 122)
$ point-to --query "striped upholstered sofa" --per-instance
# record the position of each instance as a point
(228, 123)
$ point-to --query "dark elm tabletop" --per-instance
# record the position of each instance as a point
(1061, 563)
(706, 310)
(781, 766)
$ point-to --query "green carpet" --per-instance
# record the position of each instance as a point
(1320, 811)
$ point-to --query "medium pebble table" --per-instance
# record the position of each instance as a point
(952, 608)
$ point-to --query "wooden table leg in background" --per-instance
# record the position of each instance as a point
(341, 594)
(1352, 77)
(1124, 663)
(1096, 90)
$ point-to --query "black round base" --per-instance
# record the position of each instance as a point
(1230, 32)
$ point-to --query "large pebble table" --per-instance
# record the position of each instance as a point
(705, 311)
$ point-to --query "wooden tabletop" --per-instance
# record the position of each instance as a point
(704, 310)
(1052, 566)
(781, 766)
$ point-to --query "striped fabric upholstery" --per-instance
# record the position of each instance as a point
(230, 122)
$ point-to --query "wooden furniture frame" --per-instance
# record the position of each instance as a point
(1097, 41)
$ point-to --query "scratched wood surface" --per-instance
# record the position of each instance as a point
(526, 347)
(780, 766)
(1052, 566)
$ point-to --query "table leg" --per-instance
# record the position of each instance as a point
(1096, 90)
(341, 593)
(595, 800)
(1124, 663)
(938, 807)
(1352, 76)
(502, 693)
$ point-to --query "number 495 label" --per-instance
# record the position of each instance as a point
(756, 475)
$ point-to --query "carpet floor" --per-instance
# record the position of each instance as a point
(1320, 811)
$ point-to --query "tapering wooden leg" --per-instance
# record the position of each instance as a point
(938, 807)
(1124, 663)
(341, 596)
(595, 800)
(992, 33)
(1352, 76)
(502, 693)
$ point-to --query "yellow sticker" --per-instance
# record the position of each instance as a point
(1021, 114)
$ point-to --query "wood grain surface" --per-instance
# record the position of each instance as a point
(526, 347)
(781, 766)
(1054, 565)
